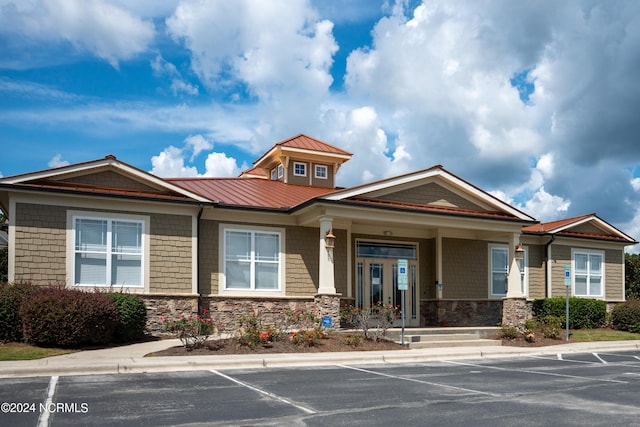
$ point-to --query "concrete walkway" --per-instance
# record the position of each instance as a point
(131, 358)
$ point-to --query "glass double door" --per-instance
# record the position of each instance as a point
(377, 281)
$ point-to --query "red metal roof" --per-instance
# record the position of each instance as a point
(305, 142)
(546, 227)
(251, 192)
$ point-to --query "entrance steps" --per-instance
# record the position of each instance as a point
(445, 337)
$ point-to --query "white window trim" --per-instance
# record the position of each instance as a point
(222, 286)
(573, 273)
(490, 277)
(280, 171)
(326, 171)
(525, 277)
(72, 215)
(300, 164)
(274, 174)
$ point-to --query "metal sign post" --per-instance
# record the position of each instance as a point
(403, 285)
(567, 285)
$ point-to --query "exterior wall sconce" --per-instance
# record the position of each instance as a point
(329, 240)
(519, 254)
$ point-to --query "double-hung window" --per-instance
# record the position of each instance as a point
(588, 274)
(499, 270)
(108, 251)
(321, 171)
(299, 169)
(252, 260)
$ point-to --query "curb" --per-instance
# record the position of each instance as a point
(130, 365)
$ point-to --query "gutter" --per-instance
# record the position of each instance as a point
(547, 270)
(198, 248)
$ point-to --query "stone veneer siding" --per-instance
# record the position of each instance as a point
(516, 311)
(461, 313)
(169, 307)
(40, 249)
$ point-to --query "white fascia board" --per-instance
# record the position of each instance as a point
(598, 223)
(453, 180)
(84, 167)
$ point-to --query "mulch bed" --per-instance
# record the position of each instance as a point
(333, 342)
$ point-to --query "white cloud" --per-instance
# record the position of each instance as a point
(219, 165)
(635, 183)
(197, 144)
(170, 164)
(97, 26)
(57, 161)
(546, 207)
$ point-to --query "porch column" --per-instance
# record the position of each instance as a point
(439, 283)
(514, 280)
(326, 280)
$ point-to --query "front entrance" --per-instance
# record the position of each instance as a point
(377, 278)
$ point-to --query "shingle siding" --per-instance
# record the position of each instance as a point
(170, 254)
(40, 250)
(465, 269)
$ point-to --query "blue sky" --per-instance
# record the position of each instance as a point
(534, 101)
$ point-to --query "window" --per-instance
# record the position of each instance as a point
(499, 260)
(252, 260)
(274, 174)
(280, 171)
(299, 169)
(322, 171)
(588, 274)
(108, 251)
(524, 272)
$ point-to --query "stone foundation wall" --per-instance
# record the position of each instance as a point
(159, 306)
(229, 310)
(516, 311)
(461, 313)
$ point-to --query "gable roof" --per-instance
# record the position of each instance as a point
(583, 226)
(68, 179)
(373, 193)
(306, 143)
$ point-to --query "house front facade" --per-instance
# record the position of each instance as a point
(282, 236)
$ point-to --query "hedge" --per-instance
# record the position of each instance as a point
(584, 313)
(11, 297)
(132, 317)
(626, 316)
(58, 316)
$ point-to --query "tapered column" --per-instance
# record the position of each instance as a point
(326, 280)
(514, 280)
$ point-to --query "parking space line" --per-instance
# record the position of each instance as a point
(562, 359)
(43, 419)
(529, 371)
(604, 362)
(266, 393)
(382, 374)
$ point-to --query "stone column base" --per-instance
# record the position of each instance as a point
(328, 305)
(515, 311)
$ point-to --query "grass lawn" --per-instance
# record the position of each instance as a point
(592, 335)
(17, 351)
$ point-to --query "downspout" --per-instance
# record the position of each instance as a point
(198, 249)
(547, 270)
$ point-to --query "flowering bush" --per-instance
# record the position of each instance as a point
(192, 330)
(251, 332)
(307, 337)
(373, 321)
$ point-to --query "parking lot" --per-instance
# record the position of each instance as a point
(567, 389)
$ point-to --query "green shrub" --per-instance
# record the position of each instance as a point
(132, 317)
(584, 313)
(509, 332)
(61, 317)
(626, 316)
(551, 326)
(11, 297)
(4, 265)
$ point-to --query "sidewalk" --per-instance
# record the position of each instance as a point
(130, 359)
